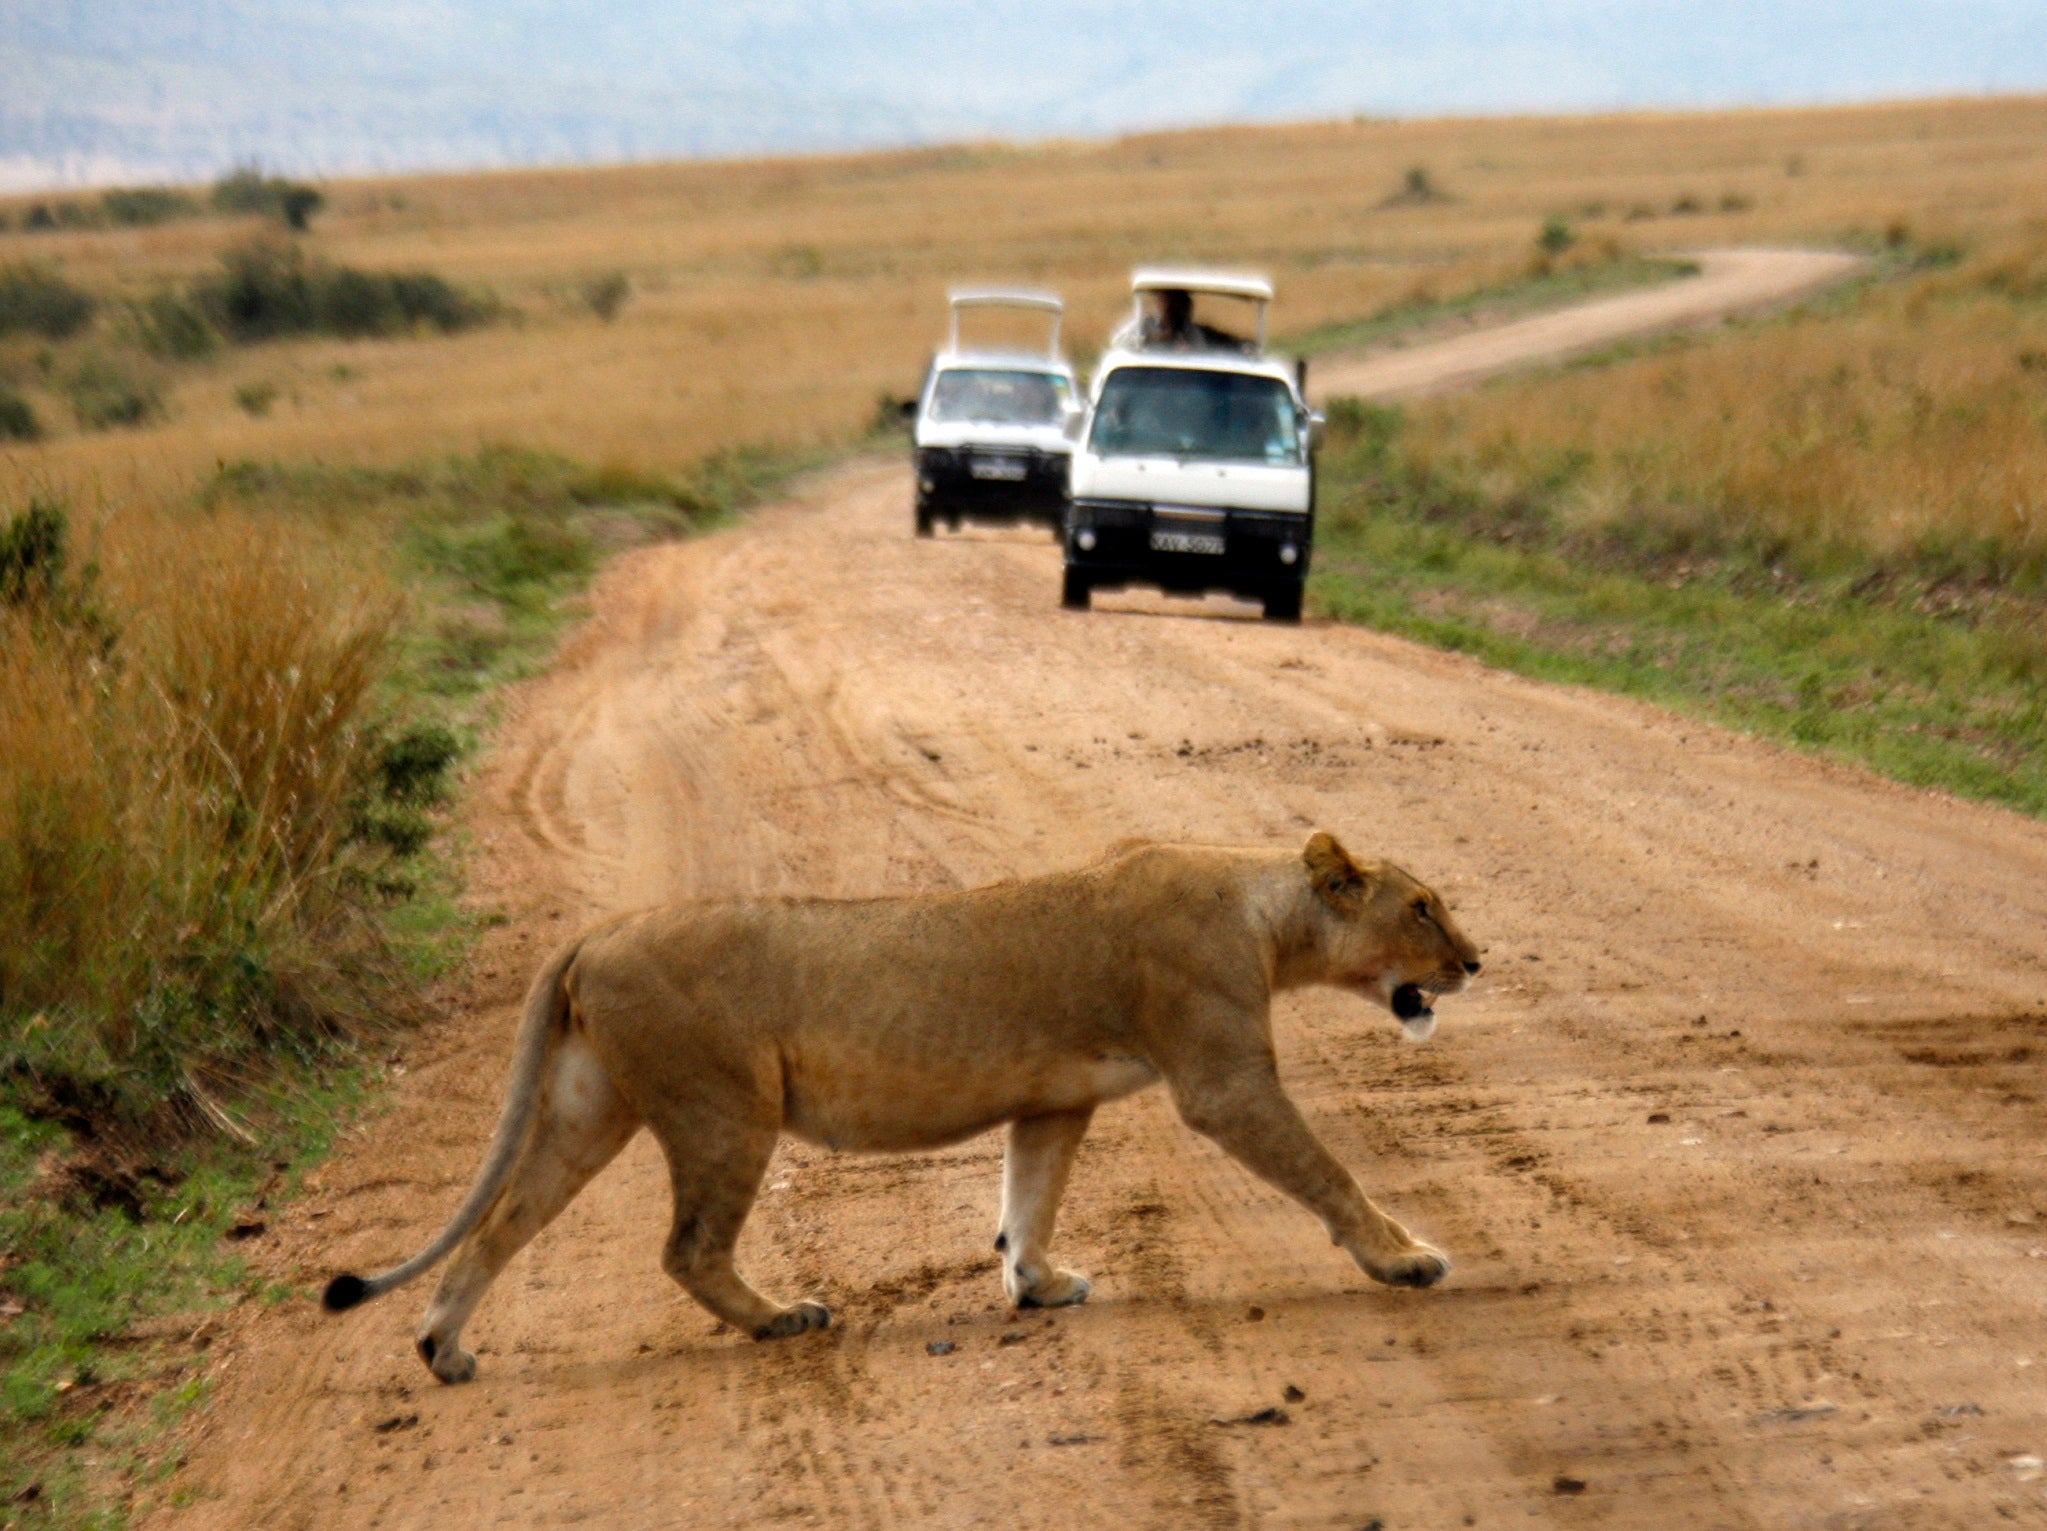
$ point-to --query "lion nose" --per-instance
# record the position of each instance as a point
(1471, 967)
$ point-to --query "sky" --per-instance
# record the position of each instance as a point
(126, 91)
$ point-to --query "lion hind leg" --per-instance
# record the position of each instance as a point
(1034, 1172)
(581, 1123)
(715, 1175)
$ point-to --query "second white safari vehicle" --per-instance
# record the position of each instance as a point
(1195, 471)
(992, 426)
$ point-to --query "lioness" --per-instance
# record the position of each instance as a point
(906, 1023)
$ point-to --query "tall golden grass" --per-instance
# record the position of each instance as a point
(185, 743)
(1908, 427)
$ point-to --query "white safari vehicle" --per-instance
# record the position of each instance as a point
(1195, 469)
(993, 427)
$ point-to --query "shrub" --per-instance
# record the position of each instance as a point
(32, 555)
(1417, 188)
(143, 206)
(1556, 237)
(248, 190)
(266, 291)
(255, 399)
(106, 393)
(605, 295)
(36, 300)
(167, 323)
(17, 419)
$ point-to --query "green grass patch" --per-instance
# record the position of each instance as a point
(1894, 669)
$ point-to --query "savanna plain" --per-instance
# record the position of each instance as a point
(395, 576)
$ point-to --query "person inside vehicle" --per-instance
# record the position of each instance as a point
(1171, 325)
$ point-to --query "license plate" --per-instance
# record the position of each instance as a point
(1009, 470)
(1186, 542)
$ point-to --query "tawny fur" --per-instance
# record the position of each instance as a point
(907, 1023)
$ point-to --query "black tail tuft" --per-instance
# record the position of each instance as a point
(343, 1293)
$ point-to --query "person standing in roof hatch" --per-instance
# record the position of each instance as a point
(1171, 325)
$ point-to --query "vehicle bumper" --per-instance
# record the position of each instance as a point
(950, 488)
(1111, 542)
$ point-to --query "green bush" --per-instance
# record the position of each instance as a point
(17, 420)
(36, 300)
(1556, 237)
(255, 399)
(106, 392)
(267, 291)
(248, 190)
(605, 295)
(169, 324)
(144, 206)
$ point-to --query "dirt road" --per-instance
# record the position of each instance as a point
(1738, 1141)
(1729, 282)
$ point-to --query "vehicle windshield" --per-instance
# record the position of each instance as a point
(1185, 412)
(986, 396)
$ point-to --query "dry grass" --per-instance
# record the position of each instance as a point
(1908, 426)
(772, 301)
(185, 748)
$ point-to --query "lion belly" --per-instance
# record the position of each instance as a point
(885, 1108)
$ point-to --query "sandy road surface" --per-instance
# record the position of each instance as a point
(1738, 1142)
(1729, 282)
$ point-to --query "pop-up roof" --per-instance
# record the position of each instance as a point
(1006, 297)
(1246, 285)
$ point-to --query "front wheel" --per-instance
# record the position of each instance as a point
(1075, 592)
(923, 522)
(1283, 602)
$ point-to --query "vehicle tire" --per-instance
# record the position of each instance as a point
(1075, 592)
(1283, 602)
(923, 522)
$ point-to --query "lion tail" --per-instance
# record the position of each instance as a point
(547, 1011)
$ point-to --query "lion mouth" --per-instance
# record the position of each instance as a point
(1410, 1003)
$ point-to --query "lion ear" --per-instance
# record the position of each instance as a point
(1339, 880)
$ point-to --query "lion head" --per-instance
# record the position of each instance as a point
(1386, 935)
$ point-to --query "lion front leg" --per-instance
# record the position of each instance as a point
(1034, 1171)
(1247, 1113)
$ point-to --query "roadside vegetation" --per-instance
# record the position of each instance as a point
(1828, 527)
(228, 732)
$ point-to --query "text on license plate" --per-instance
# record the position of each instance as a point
(1009, 469)
(1186, 542)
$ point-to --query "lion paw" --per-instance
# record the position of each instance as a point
(450, 1363)
(1062, 1289)
(1419, 1266)
(799, 1318)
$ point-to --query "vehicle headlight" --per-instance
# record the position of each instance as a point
(1288, 553)
(1084, 539)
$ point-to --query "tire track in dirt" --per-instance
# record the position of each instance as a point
(1735, 1142)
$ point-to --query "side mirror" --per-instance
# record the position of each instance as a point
(908, 410)
(1076, 417)
(1317, 424)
